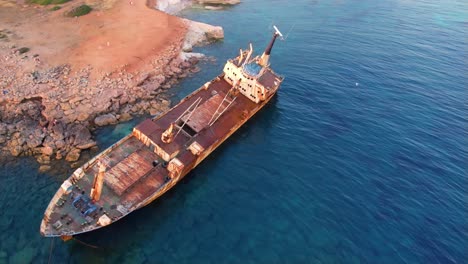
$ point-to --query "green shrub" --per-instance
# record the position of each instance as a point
(23, 50)
(55, 8)
(79, 11)
(48, 2)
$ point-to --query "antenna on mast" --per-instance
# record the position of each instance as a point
(287, 35)
(277, 31)
(264, 59)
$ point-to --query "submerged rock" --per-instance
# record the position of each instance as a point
(219, 2)
(44, 168)
(209, 7)
(125, 117)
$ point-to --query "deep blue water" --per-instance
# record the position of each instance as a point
(361, 157)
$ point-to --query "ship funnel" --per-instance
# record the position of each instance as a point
(264, 59)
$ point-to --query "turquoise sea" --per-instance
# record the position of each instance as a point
(360, 158)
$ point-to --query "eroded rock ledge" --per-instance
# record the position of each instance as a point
(49, 112)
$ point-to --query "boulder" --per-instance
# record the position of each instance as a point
(65, 106)
(165, 102)
(105, 119)
(34, 142)
(3, 129)
(15, 148)
(47, 151)
(82, 135)
(49, 142)
(125, 117)
(154, 111)
(16, 151)
(102, 106)
(123, 100)
(73, 155)
(57, 130)
(214, 34)
(188, 56)
(82, 116)
(88, 145)
(69, 112)
(172, 6)
(59, 143)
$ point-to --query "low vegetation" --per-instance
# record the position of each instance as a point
(79, 11)
(23, 50)
(55, 8)
(48, 2)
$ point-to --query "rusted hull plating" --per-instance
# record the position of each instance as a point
(205, 154)
(142, 166)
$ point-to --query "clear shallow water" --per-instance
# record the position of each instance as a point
(328, 172)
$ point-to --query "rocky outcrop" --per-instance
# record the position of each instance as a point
(175, 6)
(218, 2)
(199, 34)
(172, 6)
(50, 112)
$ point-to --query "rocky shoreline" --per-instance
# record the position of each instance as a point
(174, 6)
(50, 112)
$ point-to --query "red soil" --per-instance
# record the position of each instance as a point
(128, 34)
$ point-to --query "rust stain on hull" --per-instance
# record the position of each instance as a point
(145, 164)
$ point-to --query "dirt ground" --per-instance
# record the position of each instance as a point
(115, 34)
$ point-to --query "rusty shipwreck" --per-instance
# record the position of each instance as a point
(160, 151)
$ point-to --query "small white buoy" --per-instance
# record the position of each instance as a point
(357, 84)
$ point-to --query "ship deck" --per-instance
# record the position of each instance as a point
(136, 171)
(130, 179)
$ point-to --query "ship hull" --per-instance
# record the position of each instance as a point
(158, 153)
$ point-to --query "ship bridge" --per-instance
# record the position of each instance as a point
(253, 77)
(252, 69)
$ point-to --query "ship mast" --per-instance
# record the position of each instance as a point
(96, 190)
(264, 59)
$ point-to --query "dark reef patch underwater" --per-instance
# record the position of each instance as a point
(361, 157)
